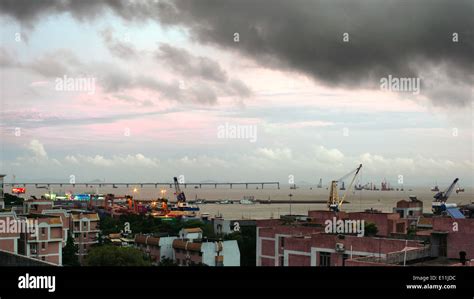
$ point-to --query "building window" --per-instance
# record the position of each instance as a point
(43, 258)
(282, 260)
(43, 231)
(43, 245)
(282, 241)
(325, 259)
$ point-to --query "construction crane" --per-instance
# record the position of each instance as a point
(439, 204)
(180, 197)
(335, 202)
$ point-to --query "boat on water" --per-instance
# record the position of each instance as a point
(435, 188)
(248, 200)
(184, 206)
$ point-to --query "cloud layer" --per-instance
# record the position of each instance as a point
(401, 39)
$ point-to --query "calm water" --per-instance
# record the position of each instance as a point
(358, 200)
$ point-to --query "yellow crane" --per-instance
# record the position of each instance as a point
(335, 202)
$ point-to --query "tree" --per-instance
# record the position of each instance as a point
(371, 229)
(166, 262)
(246, 239)
(12, 200)
(70, 252)
(109, 255)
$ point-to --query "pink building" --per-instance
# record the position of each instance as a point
(8, 239)
(409, 208)
(150, 246)
(47, 242)
(65, 218)
(54, 225)
(307, 244)
(37, 205)
(85, 229)
(190, 249)
(83, 225)
(451, 236)
(387, 223)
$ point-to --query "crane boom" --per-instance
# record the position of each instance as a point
(335, 202)
(444, 195)
(439, 205)
(350, 185)
(180, 197)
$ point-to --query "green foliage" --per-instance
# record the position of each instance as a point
(370, 229)
(109, 225)
(12, 200)
(109, 255)
(166, 262)
(247, 240)
(147, 224)
(70, 252)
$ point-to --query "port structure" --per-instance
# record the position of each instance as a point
(335, 202)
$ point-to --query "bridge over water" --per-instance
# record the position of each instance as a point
(156, 185)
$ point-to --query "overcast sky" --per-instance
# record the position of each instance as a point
(168, 75)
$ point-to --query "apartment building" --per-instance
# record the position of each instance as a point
(156, 248)
(306, 243)
(84, 227)
(191, 249)
(53, 227)
(46, 242)
(8, 239)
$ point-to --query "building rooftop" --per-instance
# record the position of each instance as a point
(186, 245)
(192, 230)
(147, 240)
(88, 215)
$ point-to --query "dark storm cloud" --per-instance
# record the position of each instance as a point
(117, 48)
(398, 38)
(182, 62)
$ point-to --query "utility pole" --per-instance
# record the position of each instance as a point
(290, 195)
(405, 256)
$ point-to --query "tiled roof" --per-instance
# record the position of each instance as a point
(148, 240)
(193, 230)
(90, 216)
(186, 245)
(115, 236)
